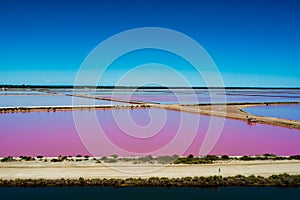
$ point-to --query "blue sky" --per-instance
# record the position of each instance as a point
(253, 43)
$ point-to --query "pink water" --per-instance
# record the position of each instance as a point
(53, 134)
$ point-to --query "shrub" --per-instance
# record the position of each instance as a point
(111, 160)
(7, 159)
(56, 160)
(27, 158)
(246, 158)
(166, 159)
(225, 157)
(104, 158)
(211, 157)
(282, 180)
(115, 156)
(295, 157)
(190, 156)
(269, 155)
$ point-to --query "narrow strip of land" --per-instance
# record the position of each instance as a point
(234, 111)
(88, 169)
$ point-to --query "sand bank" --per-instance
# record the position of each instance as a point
(234, 111)
(90, 169)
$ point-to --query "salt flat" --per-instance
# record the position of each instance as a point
(91, 169)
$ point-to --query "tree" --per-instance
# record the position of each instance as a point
(225, 157)
(115, 156)
(7, 159)
(190, 156)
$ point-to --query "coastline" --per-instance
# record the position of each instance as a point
(120, 174)
(122, 170)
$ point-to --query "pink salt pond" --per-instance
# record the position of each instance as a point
(146, 132)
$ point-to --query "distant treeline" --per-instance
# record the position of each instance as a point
(175, 159)
(129, 87)
(212, 158)
(282, 180)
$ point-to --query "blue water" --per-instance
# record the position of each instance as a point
(232, 193)
(278, 111)
(162, 96)
(185, 96)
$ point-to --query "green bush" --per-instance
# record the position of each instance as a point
(190, 156)
(27, 158)
(211, 157)
(115, 156)
(281, 180)
(246, 158)
(225, 157)
(104, 158)
(295, 157)
(7, 159)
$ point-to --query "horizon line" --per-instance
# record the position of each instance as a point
(67, 86)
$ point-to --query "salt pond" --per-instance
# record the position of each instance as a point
(162, 96)
(54, 133)
(189, 96)
(278, 111)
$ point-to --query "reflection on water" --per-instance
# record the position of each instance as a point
(52, 134)
(278, 111)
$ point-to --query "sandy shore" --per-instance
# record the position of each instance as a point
(90, 169)
(234, 111)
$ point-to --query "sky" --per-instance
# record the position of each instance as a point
(252, 42)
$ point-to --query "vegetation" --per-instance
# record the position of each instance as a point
(104, 158)
(112, 160)
(295, 157)
(166, 159)
(7, 159)
(59, 159)
(175, 159)
(212, 158)
(197, 160)
(225, 157)
(115, 156)
(282, 180)
(27, 158)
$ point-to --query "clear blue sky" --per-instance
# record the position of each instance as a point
(253, 42)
